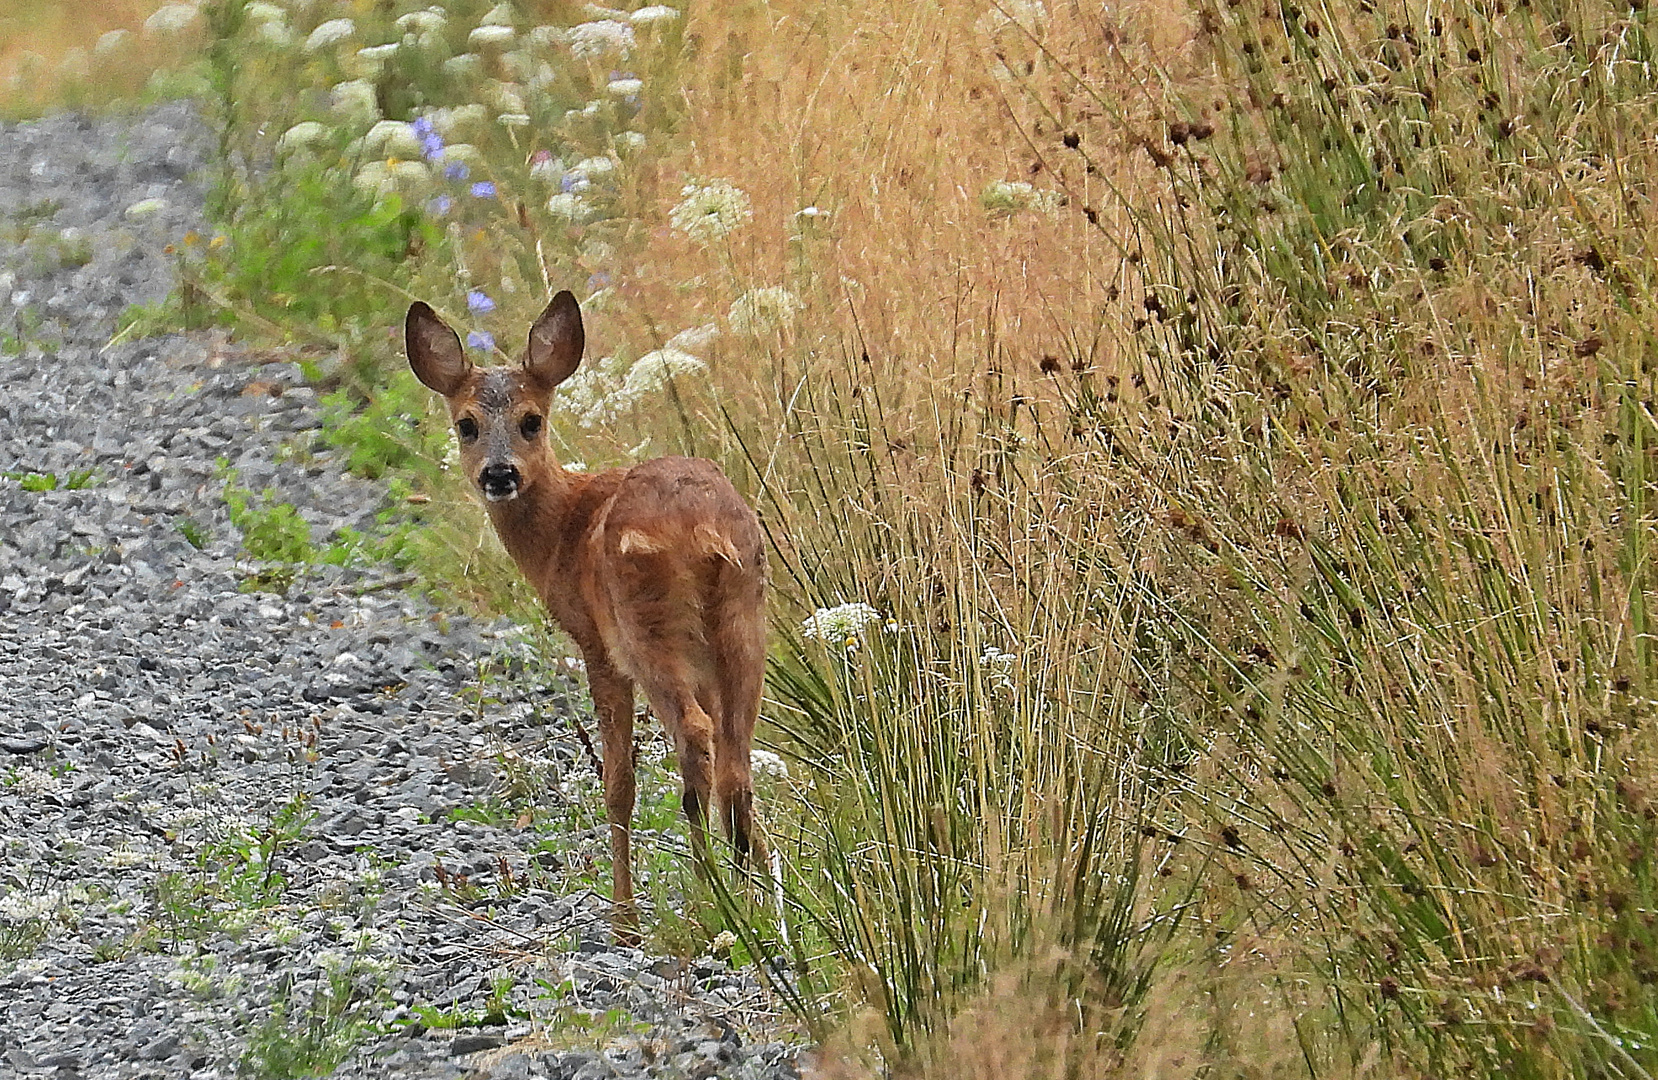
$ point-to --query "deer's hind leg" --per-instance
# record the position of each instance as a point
(737, 635)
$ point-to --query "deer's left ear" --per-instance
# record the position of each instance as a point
(556, 342)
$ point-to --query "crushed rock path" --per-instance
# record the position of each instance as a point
(228, 817)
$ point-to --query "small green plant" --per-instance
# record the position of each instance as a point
(246, 862)
(50, 251)
(310, 1036)
(50, 481)
(272, 530)
(193, 531)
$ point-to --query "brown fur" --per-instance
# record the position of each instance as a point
(657, 572)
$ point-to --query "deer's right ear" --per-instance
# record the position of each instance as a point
(434, 350)
(556, 342)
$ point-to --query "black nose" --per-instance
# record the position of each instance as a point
(499, 481)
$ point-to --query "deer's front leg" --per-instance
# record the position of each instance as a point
(613, 701)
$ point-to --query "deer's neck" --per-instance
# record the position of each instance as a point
(545, 530)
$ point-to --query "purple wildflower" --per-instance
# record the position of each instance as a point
(483, 189)
(478, 302)
(480, 339)
(456, 170)
(439, 206)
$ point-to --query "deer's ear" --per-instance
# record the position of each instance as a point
(556, 342)
(434, 350)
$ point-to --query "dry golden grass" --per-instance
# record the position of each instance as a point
(49, 55)
(889, 117)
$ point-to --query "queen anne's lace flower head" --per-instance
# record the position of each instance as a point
(172, 18)
(653, 371)
(306, 133)
(762, 311)
(330, 33)
(498, 37)
(711, 211)
(590, 40)
(355, 100)
(654, 15)
(842, 624)
(1007, 197)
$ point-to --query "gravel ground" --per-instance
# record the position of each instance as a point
(227, 829)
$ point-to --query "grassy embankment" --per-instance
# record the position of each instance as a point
(1256, 508)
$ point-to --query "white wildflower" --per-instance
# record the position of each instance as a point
(75, 64)
(767, 764)
(383, 177)
(695, 339)
(144, 208)
(275, 34)
(625, 87)
(591, 109)
(261, 11)
(711, 211)
(493, 37)
(722, 943)
(466, 68)
(113, 41)
(549, 169)
(569, 206)
(843, 623)
(455, 121)
(21, 906)
(654, 15)
(330, 33)
(812, 213)
(182, 818)
(305, 134)
(629, 142)
(392, 138)
(507, 97)
(355, 100)
(545, 37)
(594, 39)
(997, 666)
(1020, 16)
(270, 23)
(761, 311)
(1006, 197)
(430, 21)
(331, 961)
(596, 168)
(465, 153)
(122, 858)
(172, 18)
(31, 782)
(657, 368)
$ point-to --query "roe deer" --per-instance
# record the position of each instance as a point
(657, 571)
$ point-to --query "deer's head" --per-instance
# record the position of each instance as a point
(499, 413)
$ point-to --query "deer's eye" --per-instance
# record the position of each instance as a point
(530, 426)
(468, 428)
